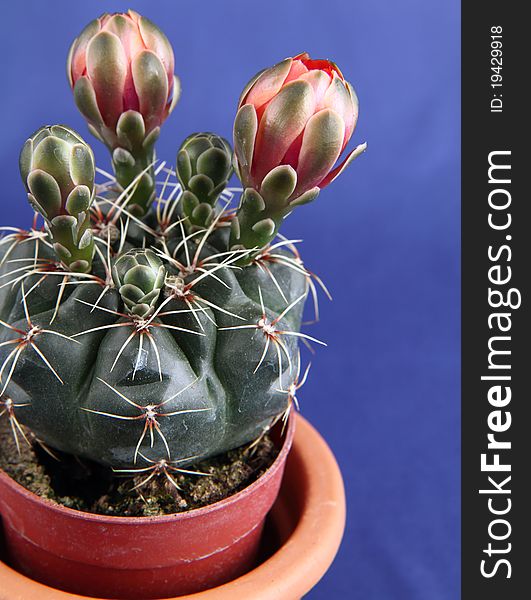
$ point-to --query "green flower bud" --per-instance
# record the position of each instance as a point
(139, 276)
(57, 168)
(204, 167)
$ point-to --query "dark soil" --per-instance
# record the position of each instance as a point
(87, 486)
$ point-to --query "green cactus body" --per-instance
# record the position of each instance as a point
(167, 364)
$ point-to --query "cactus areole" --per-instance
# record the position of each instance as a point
(146, 321)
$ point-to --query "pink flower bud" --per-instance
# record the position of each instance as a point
(300, 113)
(122, 62)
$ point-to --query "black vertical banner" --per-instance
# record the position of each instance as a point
(496, 300)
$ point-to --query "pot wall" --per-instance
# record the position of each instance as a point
(130, 557)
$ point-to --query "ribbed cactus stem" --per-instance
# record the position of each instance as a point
(139, 178)
(73, 241)
(260, 215)
(253, 226)
(133, 162)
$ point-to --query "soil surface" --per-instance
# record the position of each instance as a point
(84, 485)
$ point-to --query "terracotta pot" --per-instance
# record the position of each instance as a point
(304, 531)
(139, 557)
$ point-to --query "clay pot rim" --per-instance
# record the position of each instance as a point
(287, 440)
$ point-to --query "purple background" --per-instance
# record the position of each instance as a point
(385, 237)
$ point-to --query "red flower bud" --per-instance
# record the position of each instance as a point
(300, 113)
(122, 62)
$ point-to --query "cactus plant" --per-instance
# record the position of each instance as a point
(146, 325)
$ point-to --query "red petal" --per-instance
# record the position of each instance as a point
(297, 69)
(134, 15)
(323, 65)
(78, 66)
(282, 122)
(268, 84)
(130, 96)
(337, 171)
(127, 31)
(292, 155)
(321, 147)
(320, 82)
(107, 70)
(339, 98)
(155, 40)
(332, 175)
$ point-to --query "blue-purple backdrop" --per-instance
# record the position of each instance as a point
(385, 393)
